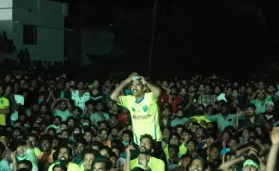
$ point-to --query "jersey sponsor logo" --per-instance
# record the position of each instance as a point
(141, 117)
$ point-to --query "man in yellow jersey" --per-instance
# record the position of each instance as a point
(4, 107)
(142, 106)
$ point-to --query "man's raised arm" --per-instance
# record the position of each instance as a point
(156, 91)
(115, 94)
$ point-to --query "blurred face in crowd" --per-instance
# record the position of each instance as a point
(64, 154)
(103, 135)
(217, 90)
(214, 153)
(46, 145)
(185, 162)
(104, 153)
(88, 136)
(261, 85)
(80, 86)
(87, 160)
(261, 95)
(250, 111)
(201, 88)
(20, 150)
(183, 92)
(196, 165)
(269, 108)
(63, 105)
(174, 140)
(207, 89)
(79, 149)
(99, 166)
(249, 90)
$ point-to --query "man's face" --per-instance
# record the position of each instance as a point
(217, 90)
(88, 136)
(145, 146)
(99, 107)
(20, 150)
(214, 153)
(80, 86)
(207, 89)
(100, 166)
(63, 105)
(210, 141)
(63, 154)
(32, 140)
(196, 165)
(46, 145)
(185, 162)
(87, 160)
(137, 87)
(224, 109)
(201, 88)
(192, 89)
(261, 95)
(103, 135)
(80, 148)
(250, 111)
(191, 146)
(174, 140)
(172, 152)
(269, 108)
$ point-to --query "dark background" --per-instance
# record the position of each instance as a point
(202, 36)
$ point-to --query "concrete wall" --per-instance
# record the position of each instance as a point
(48, 16)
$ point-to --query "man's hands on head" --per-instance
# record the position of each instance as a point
(129, 79)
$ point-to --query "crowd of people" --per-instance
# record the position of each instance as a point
(198, 124)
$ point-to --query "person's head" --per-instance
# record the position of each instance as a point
(174, 139)
(214, 151)
(126, 137)
(57, 120)
(101, 164)
(210, 138)
(103, 134)
(185, 160)
(166, 112)
(105, 152)
(269, 108)
(63, 105)
(192, 145)
(200, 132)
(261, 95)
(137, 87)
(146, 144)
(99, 106)
(88, 134)
(250, 110)
(224, 108)
(65, 154)
(173, 151)
(59, 167)
(80, 146)
(45, 142)
(232, 142)
(88, 158)
(197, 164)
(251, 164)
(24, 164)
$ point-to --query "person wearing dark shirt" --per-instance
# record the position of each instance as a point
(251, 119)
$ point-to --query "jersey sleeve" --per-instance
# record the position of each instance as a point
(123, 101)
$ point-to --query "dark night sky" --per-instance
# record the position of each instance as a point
(223, 33)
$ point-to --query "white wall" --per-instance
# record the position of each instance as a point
(48, 16)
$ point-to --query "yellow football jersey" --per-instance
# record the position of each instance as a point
(144, 114)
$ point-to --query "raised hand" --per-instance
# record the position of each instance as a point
(129, 79)
(128, 151)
